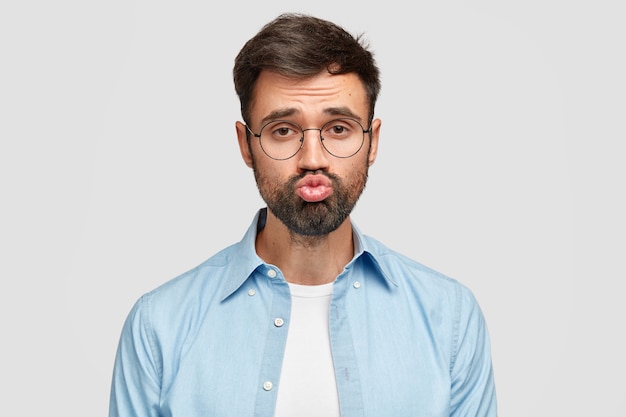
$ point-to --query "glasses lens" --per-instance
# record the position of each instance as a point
(342, 137)
(281, 139)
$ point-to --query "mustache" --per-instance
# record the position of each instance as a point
(295, 178)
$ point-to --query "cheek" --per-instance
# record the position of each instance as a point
(354, 174)
(272, 173)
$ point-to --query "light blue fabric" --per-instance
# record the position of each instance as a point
(406, 340)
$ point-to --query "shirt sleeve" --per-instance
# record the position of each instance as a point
(136, 387)
(473, 388)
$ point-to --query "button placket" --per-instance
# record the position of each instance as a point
(277, 320)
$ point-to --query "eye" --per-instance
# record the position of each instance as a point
(339, 129)
(282, 131)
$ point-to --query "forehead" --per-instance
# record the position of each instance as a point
(309, 99)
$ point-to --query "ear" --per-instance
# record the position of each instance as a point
(374, 141)
(244, 147)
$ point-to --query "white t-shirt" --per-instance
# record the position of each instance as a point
(307, 381)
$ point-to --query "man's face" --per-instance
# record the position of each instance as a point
(313, 192)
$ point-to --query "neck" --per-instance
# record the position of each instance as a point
(306, 260)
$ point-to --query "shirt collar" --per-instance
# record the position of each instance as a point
(365, 246)
(243, 259)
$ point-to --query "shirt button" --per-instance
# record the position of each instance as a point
(278, 322)
(251, 293)
(267, 386)
(271, 273)
(357, 285)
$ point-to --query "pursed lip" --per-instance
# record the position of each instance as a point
(314, 180)
(314, 188)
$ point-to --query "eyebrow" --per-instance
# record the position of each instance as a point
(342, 111)
(280, 114)
(290, 111)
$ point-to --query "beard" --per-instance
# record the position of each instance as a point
(311, 219)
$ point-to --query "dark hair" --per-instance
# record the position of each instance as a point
(301, 46)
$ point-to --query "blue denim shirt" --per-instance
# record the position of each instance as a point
(405, 340)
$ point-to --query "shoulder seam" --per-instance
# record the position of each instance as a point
(455, 327)
(147, 325)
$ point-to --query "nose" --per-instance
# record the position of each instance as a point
(312, 155)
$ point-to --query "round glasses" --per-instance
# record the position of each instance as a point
(281, 139)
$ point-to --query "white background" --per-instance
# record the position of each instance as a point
(501, 164)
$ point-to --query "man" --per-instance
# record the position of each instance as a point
(306, 316)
